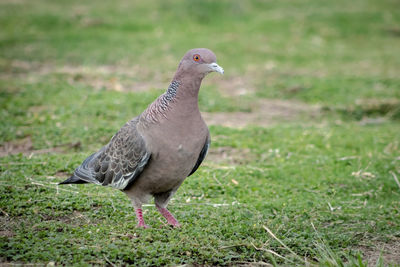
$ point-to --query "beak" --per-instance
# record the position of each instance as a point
(215, 67)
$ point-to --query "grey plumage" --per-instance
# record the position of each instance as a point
(152, 154)
(118, 163)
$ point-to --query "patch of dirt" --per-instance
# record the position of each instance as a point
(111, 77)
(395, 32)
(264, 113)
(234, 86)
(390, 252)
(62, 174)
(230, 155)
(25, 146)
(6, 233)
(18, 146)
(75, 218)
(6, 223)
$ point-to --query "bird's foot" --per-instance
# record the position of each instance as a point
(170, 218)
(175, 224)
(139, 215)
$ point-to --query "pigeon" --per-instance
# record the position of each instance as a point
(151, 155)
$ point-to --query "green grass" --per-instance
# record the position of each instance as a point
(322, 184)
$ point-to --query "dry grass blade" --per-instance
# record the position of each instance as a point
(5, 213)
(280, 242)
(325, 252)
(108, 261)
(55, 188)
(249, 263)
(272, 252)
(395, 178)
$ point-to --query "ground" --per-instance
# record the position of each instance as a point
(304, 163)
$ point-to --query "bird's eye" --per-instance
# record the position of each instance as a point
(196, 57)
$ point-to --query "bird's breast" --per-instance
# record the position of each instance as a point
(184, 152)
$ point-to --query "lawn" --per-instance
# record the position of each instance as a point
(305, 156)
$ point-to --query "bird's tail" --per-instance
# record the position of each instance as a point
(73, 180)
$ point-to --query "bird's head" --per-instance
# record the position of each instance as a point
(200, 61)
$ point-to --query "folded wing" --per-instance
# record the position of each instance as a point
(118, 163)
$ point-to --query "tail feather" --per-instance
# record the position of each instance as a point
(73, 180)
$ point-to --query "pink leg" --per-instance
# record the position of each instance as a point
(167, 215)
(139, 216)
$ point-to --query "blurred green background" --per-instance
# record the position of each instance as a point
(305, 129)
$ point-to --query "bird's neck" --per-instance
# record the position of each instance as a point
(180, 99)
(189, 84)
(189, 88)
(186, 94)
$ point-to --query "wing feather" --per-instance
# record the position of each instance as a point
(203, 154)
(120, 162)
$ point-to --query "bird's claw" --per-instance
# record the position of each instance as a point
(175, 224)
